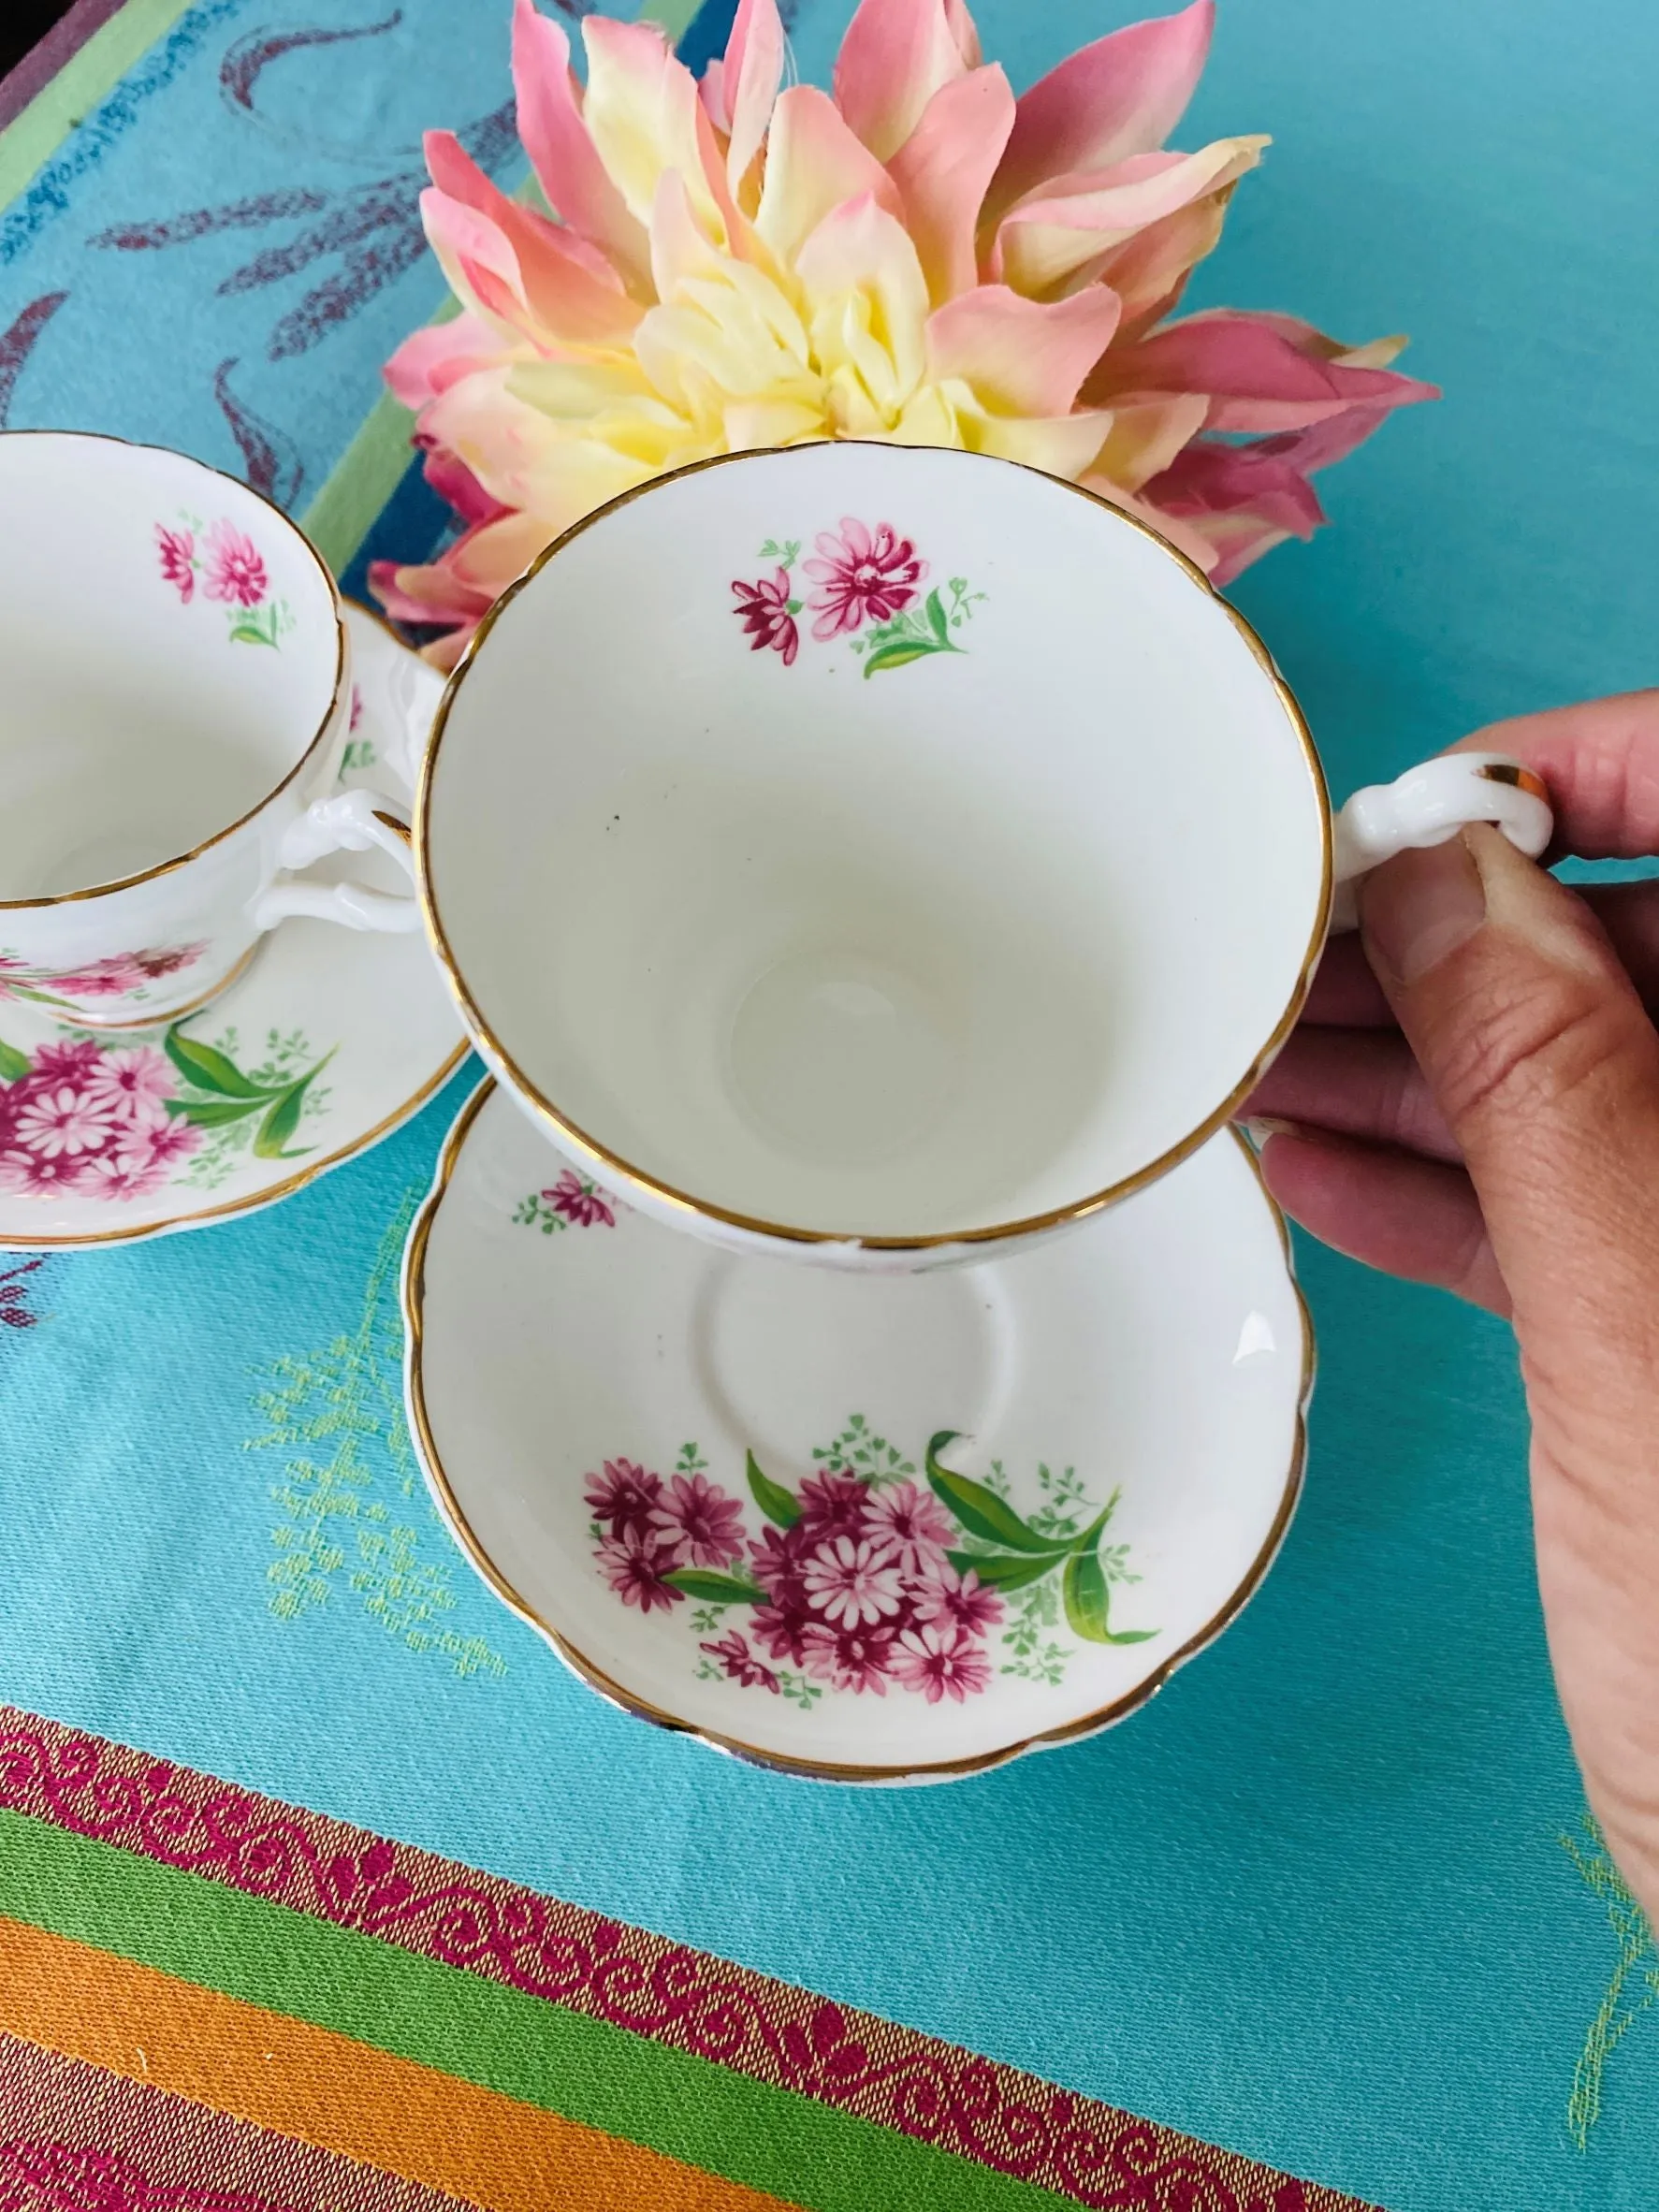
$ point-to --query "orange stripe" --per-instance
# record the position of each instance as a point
(329, 2091)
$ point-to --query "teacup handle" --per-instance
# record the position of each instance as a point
(350, 821)
(1428, 804)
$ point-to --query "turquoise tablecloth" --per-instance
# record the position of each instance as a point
(1314, 1903)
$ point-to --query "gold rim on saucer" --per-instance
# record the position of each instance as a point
(450, 1507)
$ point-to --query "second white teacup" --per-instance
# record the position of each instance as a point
(886, 856)
(175, 695)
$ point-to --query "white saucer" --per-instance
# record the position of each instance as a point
(573, 1369)
(365, 1018)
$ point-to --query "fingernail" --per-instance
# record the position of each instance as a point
(1420, 907)
(1259, 1127)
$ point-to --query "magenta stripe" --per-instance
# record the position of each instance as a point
(43, 60)
(1085, 2151)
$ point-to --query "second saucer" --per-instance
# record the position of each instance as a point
(865, 1529)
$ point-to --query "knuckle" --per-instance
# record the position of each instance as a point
(1529, 1051)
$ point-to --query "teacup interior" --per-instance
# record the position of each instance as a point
(949, 933)
(169, 652)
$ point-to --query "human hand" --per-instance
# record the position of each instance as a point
(1471, 1100)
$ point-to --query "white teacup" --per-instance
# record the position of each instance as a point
(175, 694)
(886, 856)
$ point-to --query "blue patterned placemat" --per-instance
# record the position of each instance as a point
(1328, 1901)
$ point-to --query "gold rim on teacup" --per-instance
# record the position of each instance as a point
(436, 1074)
(448, 1503)
(686, 1202)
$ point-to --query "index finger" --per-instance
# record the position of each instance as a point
(1600, 766)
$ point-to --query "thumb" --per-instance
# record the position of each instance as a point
(1546, 1066)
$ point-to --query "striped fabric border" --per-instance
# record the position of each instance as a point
(73, 2135)
(55, 47)
(536, 2001)
(68, 100)
(290, 2080)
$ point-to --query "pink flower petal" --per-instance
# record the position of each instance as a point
(943, 169)
(1147, 434)
(496, 554)
(1187, 538)
(1122, 95)
(753, 71)
(1149, 271)
(1022, 356)
(425, 594)
(564, 156)
(1057, 237)
(452, 481)
(566, 300)
(711, 91)
(814, 165)
(431, 358)
(896, 55)
(963, 30)
(1260, 373)
(1245, 499)
(464, 582)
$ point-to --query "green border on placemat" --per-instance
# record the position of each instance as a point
(89, 73)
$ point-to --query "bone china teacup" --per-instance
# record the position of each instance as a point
(886, 856)
(174, 697)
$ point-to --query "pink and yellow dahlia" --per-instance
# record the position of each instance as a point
(918, 256)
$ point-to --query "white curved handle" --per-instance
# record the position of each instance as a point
(413, 693)
(350, 821)
(1427, 806)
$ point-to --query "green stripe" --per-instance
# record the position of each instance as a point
(31, 138)
(676, 16)
(442, 2017)
(359, 483)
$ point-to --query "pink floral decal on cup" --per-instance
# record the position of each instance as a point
(231, 568)
(116, 1121)
(865, 1578)
(860, 575)
(121, 975)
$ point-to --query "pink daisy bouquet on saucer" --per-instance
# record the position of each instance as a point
(914, 255)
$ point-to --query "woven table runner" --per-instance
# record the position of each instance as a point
(200, 1986)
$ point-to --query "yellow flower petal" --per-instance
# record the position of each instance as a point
(752, 423)
(1063, 445)
(1057, 236)
(1147, 434)
(867, 302)
(641, 110)
(814, 165)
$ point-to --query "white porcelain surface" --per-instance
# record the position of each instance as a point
(176, 697)
(886, 846)
(112, 1135)
(1161, 1356)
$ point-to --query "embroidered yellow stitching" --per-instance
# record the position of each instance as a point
(1620, 2004)
(348, 1399)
